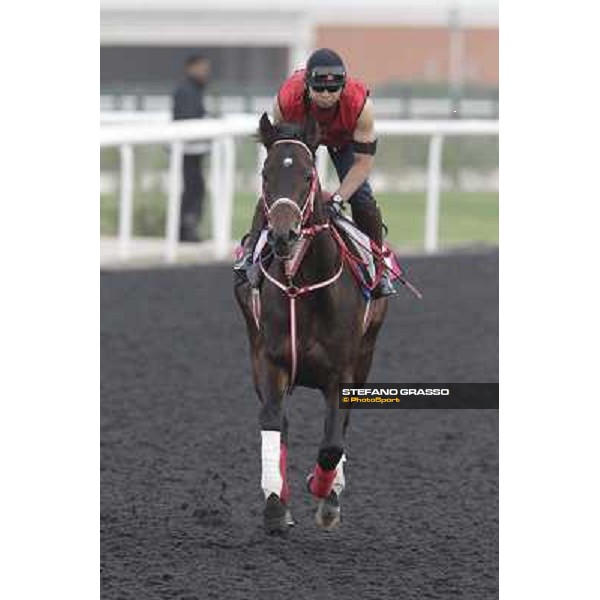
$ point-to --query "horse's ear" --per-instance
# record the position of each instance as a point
(311, 132)
(266, 131)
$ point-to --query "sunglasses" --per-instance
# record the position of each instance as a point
(331, 87)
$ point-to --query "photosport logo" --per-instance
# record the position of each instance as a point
(420, 395)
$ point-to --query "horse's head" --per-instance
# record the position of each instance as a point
(290, 180)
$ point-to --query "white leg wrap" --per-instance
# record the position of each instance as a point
(339, 483)
(271, 480)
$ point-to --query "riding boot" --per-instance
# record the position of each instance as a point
(368, 220)
(243, 267)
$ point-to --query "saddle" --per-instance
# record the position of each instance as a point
(366, 259)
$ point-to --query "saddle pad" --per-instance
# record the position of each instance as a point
(359, 244)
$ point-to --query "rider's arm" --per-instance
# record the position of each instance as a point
(363, 163)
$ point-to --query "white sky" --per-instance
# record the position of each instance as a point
(367, 12)
(291, 4)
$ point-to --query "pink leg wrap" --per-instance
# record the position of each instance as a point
(285, 489)
(322, 481)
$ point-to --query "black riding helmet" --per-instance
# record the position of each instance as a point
(325, 69)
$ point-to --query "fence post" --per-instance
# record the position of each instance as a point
(322, 165)
(222, 222)
(174, 201)
(126, 203)
(434, 175)
(216, 187)
(261, 155)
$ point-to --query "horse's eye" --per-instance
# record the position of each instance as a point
(308, 175)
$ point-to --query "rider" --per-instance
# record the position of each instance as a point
(344, 113)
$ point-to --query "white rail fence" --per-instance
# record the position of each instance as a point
(121, 132)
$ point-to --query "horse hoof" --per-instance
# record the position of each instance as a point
(277, 516)
(329, 513)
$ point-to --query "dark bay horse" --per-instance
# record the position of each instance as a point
(308, 325)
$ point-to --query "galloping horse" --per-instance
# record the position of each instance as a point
(308, 325)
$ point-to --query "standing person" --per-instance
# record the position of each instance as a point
(188, 103)
(344, 113)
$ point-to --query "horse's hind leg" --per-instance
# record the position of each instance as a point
(271, 385)
(367, 347)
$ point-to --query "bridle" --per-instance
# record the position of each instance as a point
(291, 265)
(308, 205)
(306, 232)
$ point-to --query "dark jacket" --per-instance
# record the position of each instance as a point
(188, 100)
(188, 103)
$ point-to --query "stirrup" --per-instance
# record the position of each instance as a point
(246, 271)
(243, 259)
(242, 263)
(384, 288)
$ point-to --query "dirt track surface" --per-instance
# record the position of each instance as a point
(181, 499)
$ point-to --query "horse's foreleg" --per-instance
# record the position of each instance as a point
(339, 483)
(285, 488)
(271, 384)
(326, 482)
(331, 449)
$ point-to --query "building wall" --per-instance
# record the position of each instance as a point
(158, 68)
(481, 55)
(379, 54)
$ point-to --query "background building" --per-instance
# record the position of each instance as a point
(402, 49)
(423, 60)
